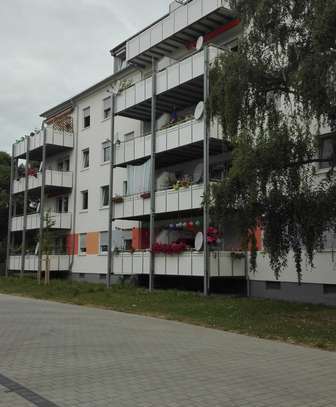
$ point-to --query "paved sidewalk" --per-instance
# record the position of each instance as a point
(56, 355)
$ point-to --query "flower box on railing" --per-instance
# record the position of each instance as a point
(117, 199)
(145, 195)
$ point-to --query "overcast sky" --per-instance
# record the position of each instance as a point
(52, 49)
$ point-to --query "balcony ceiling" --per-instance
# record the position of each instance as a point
(184, 38)
(188, 152)
(36, 154)
(188, 94)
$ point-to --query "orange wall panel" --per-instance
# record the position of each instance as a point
(92, 243)
(72, 244)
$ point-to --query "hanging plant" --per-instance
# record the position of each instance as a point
(117, 199)
(145, 195)
(170, 249)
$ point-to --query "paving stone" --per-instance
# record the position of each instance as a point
(72, 356)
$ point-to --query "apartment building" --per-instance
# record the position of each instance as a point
(122, 169)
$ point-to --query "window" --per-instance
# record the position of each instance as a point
(86, 158)
(107, 107)
(102, 276)
(82, 244)
(106, 151)
(327, 151)
(329, 288)
(86, 118)
(66, 204)
(103, 242)
(124, 188)
(59, 205)
(81, 275)
(67, 165)
(328, 240)
(129, 136)
(273, 285)
(105, 195)
(62, 204)
(85, 200)
(63, 165)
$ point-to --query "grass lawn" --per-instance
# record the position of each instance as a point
(310, 325)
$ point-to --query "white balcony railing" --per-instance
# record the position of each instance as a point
(166, 201)
(60, 221)
(175, 22)
(175, 75)
(176, 136)
(57, 179)
(57, 263)
(222, 264)
(55, 137)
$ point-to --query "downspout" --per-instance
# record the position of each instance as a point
(153, 181)
(74, 189)
(25, 209)
(206, 283)
(10, 213)
(110, 264)
(42, 200)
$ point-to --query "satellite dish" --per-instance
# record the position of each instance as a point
(198, 173)
(199, 241)
(199, 111)
(199, 43)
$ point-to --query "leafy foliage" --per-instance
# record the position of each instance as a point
(5, 164)
(274, 97)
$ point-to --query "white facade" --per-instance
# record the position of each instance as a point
(78, 165)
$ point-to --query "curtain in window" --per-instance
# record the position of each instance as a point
(138, 177)
(103, 242)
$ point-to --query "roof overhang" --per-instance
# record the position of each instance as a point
(184, 37)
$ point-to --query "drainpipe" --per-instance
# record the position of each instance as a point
(153, 181)
(25, 208)
(10, 212)
(111, 205)
(248, 288)
(74, 188)
(206, 283)
(42, 201)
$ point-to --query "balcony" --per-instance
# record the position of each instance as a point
(222, 264)
(178, 136)
(57, 141)
(57, 263)
(55, 181)
(182, 26)
(61, 221)
(183, 199)
(179, 84)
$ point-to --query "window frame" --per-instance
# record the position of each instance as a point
(103, 252)
(82, 250)
(104, 194)
(106, 146)
(86, 157)
(85, 198)
(107, 107)
(86, 117)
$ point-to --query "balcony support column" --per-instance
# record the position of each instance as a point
(10, 213)
(110, 269)
(25, 209)
(153, 180)
(206, 159)
(42, 202)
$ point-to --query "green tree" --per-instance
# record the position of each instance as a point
(5, 169)
(273, 97)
